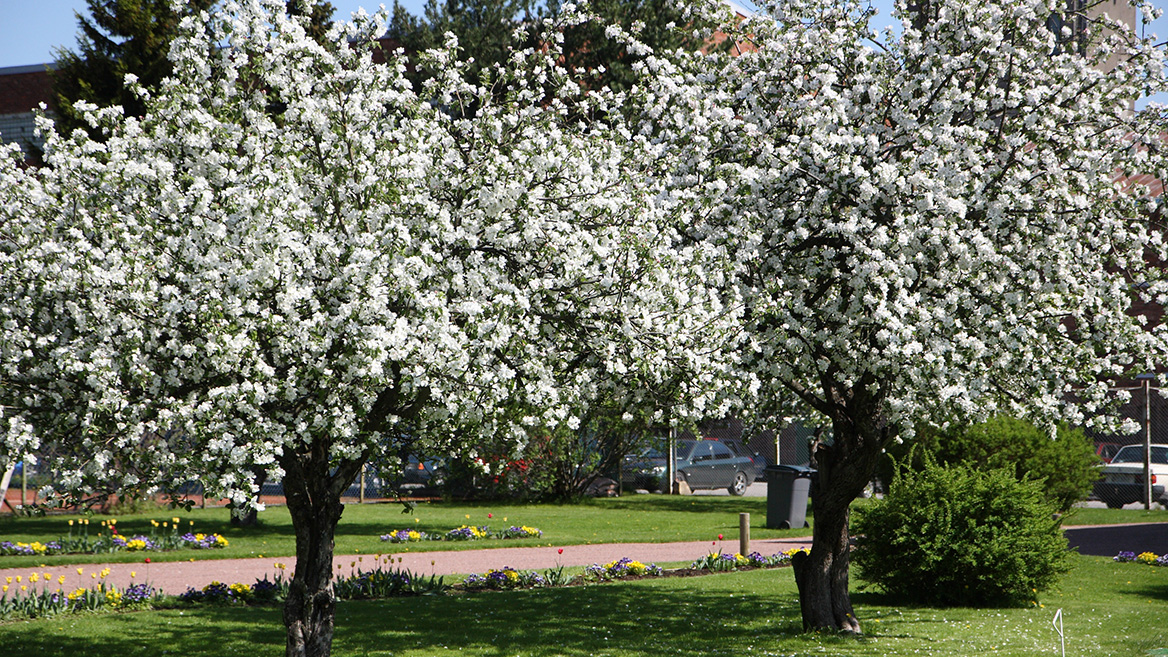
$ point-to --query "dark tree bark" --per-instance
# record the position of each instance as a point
(314, 501)
(844, 469)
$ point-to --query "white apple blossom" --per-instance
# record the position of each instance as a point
(934, 223)
(295, 260)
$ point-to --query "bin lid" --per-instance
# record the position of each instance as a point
(796, 470)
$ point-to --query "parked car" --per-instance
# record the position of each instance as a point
(1122, 480)
(701, 464)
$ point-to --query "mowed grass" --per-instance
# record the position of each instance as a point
(630, 519)
(1092, 516)
(1108, 609)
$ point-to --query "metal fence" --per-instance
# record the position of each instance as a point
(1148, 408)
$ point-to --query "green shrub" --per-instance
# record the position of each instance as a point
(1065, 463)
(954, 535)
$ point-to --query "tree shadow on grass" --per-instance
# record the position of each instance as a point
(707, 616)
(1148, 592)
(207, 631)
(638, 619)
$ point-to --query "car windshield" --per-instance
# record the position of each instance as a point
(1135, 454)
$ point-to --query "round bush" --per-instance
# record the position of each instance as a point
(952, 535)
(1065, 461)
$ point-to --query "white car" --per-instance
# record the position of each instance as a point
(1122, 481)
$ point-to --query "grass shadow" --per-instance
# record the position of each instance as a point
(636, 619)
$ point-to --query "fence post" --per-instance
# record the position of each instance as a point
(1148, 442)
(361, 495)
(744, 534)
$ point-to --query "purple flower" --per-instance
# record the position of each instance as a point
(137, 593)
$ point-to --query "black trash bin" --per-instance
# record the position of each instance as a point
(788, 487)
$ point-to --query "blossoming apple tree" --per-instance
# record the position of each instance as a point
(294, 260)
(942, 220)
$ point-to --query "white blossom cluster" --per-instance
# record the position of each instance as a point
(294, 251)
(940, 221)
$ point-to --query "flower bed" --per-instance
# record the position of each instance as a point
(468, 533)
(33, 595)
(463, 533)
(520, 532)
(720, 562)
(1149, 558)
(38, 595)
(164, 536)
(407, 536)
(621, 569)
(505, 578)
(360, 585)
(218, 593)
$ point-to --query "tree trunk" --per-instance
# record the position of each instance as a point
(314, 503)
(844, 469)
(822, 576)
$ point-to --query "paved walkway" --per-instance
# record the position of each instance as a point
(175, 576)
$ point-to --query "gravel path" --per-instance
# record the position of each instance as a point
(175, 576)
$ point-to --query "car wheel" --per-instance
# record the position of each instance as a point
(1114, 504)
(739, 485)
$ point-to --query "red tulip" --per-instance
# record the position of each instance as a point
(719, 537)
(561, 550)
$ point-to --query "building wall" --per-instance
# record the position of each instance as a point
(22, 90)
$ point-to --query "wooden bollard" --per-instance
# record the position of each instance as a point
(744, 534)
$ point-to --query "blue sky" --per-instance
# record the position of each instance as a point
(31, 29)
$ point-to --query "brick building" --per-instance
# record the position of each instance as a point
(22, 90)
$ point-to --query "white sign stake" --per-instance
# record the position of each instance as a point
(1058, 626)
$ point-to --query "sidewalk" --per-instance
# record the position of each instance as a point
(175, 576)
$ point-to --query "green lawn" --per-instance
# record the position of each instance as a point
(634, 518)
(1108, 609)
(639, 518)
(1114, 516)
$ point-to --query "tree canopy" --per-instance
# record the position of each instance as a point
(939, 221)
(293, 261)
(121, 37)
(489, 31)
